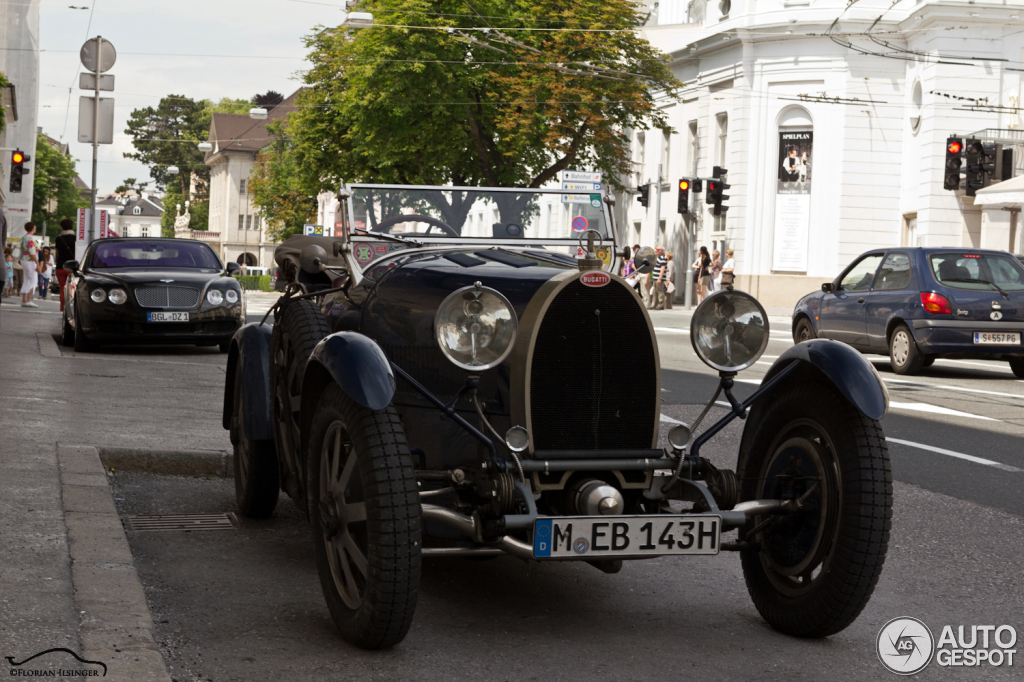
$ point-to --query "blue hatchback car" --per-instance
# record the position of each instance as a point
(918, 304)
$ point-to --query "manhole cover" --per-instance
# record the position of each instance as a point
(186, 522)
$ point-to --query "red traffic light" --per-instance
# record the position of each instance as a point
(17, 157)
(954, 148)
(684, 184)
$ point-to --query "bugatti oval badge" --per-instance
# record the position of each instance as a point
(597, 278)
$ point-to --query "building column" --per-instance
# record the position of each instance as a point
(995, 229)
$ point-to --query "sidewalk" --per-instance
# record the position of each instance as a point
(780, 318)
(53, 397)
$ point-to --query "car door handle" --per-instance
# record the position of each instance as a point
(860, 300)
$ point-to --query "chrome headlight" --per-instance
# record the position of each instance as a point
(214, 297)
(117, 296)
(476, 327)
(98, 295)
(231, 296)
(729, 331)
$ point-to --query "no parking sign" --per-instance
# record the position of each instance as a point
(579, 224)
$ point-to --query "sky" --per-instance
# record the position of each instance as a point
(204, 49)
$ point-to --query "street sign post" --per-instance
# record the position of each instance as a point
(580, 176)
(97, 56)
(86, 229)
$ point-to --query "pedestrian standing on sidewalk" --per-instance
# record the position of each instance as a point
(728, 270)
(670, 286)
(659, 279)
(702, 273)
(8, 272)
(29, 260)
(46, 267)
(65, 252)
(716, 271)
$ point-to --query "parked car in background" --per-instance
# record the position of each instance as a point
(130, 291)
(919, 304)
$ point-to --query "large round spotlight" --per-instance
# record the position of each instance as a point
(476, 327)
(729, 330)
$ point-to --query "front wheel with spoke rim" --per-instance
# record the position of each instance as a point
(365, 514)
(810, 573)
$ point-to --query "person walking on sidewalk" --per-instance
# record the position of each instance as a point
(9, 280)
(716, 272)
(65, 252)
(46, 268)
(659, 280)
(29, 248)
(702, 273)
(728, 270)
(670, 286)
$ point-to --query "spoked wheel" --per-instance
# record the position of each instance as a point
(365, 514)
(810, 573)
(257, 481)
(299, 327)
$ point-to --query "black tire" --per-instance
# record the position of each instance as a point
(1017, 365)
(804, 331)
(82, 342)
(297, 330)
(67, 331)
(903, 352)
(257, 480)
(810, 573)
(927, 361)
(224, 347)
(365, 516)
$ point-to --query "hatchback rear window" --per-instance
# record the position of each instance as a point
(977, 271)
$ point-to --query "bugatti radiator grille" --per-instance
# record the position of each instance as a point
(167, 297)
(593, 383)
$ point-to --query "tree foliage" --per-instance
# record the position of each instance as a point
(276, 189)
(54, 194)
(269, 99)
(443, 104)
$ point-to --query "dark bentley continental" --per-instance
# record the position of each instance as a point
(459, 372)
(140, 290)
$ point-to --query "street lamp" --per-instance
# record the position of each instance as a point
(205, 147)
(358, 20)
(172, 170)
(259, 113)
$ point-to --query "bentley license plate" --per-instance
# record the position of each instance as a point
(997, 337)
(587, 537)
(167, 317)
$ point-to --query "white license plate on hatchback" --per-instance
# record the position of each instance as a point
(997, 338)
(588, 537)
(167, 317)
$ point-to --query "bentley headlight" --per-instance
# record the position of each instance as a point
(232, 296)
(98, 295)
(729, 331)
(476, 327)
(214, 297)
(117, 296)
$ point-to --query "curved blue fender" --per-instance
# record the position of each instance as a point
(357, 365)
(250, 354)
(849, 371)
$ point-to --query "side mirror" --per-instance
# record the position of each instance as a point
(828, 287)
(233, 268)
(71, 265)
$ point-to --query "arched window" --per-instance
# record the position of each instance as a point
(917, 100)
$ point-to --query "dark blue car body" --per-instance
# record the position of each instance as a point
(866, 312)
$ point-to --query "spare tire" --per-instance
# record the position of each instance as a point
(299, 327)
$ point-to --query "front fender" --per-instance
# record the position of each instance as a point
(849, 371)
(357, 365)
(250, 354)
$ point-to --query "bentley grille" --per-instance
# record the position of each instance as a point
(593, 383)
(167, 297)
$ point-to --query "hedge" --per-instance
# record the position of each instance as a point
(254, 282)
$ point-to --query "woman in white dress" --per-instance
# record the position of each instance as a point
(29, 282)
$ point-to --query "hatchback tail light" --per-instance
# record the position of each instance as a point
(937, 304)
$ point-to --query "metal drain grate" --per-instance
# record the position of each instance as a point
(185, 522)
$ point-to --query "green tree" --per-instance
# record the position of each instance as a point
(443, 104)
(277, 190)
(54, 195)
(131, 185)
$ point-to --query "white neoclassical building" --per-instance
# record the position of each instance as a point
(831, 120)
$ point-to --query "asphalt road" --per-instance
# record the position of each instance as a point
(245, 604)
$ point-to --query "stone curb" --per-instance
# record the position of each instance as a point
(115, 625)
(169, 462)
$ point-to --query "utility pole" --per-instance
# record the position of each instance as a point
(657, 207)
(95, 135)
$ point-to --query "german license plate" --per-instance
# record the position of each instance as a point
(997, 337)
(167, 317)
(587, 537)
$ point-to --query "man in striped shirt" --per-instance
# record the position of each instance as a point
(660, 277)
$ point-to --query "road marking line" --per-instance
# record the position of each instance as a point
(991, 364)
(935, 409)
(952, 388)
(958, 455)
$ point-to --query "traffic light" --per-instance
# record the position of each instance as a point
(18, 159)
(683, 203)
(975, 173)
(954, 149)
(716, 189)
(991, 163)
(645, 195)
